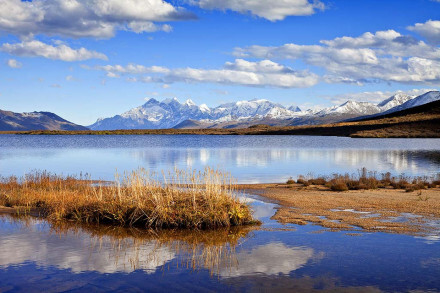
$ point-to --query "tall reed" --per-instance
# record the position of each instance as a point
(181, 199)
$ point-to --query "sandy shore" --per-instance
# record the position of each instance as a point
(383, 210)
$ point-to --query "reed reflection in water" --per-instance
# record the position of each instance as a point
(109, 249)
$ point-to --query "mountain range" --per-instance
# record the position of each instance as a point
(170, 113)
(10, 121)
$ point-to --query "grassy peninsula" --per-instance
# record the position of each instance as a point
(201, 200)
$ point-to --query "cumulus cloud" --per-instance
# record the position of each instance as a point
(13, 63)
(384, 55)
(272, 10)
(430, 30)
(240, 72)
(62, 52)
(86, 18)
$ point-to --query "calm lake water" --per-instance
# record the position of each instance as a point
(248, 158)
(38, 256)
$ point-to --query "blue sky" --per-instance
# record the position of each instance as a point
(85, 59)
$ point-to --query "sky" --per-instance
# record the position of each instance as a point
(86, 59)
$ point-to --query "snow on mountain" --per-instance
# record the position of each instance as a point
(417, 101)
(294, 109)
(394, 101)
(153, 115)
(249, 109)
(351, 108)
(170, 112)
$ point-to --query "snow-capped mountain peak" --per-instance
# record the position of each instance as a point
(294, 109)
(352, 108)
(394, 101)
(190, 102)
(170, 112)
(417, 101)
(204, 108)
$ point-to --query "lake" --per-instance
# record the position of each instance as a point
(36, 255)
(250, 159)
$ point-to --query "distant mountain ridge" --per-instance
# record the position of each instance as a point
(170, 113)
(405, 104)
(11, 121)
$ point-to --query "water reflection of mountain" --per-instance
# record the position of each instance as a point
(319, 161)
(246, 164)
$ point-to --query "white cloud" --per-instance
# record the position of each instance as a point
(36, 48)
(132, 69)
(430, 30)
(14, 63)
(241, 72)
(86, 18)
(112, 75)
(387, 42)
(272, 10)
(264, 66)
(146, 26)
(384, 55)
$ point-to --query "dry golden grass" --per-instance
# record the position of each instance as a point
(369, 180)
(185, 200)
(370, 210)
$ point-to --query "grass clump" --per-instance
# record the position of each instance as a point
(183, 200)
(366, 180)
(338, 185)
(290, 181)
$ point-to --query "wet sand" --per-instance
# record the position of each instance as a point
(381, 210)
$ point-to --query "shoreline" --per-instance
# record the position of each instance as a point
(374, 210)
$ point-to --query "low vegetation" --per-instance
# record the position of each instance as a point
(365, 180)
(137, 199)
